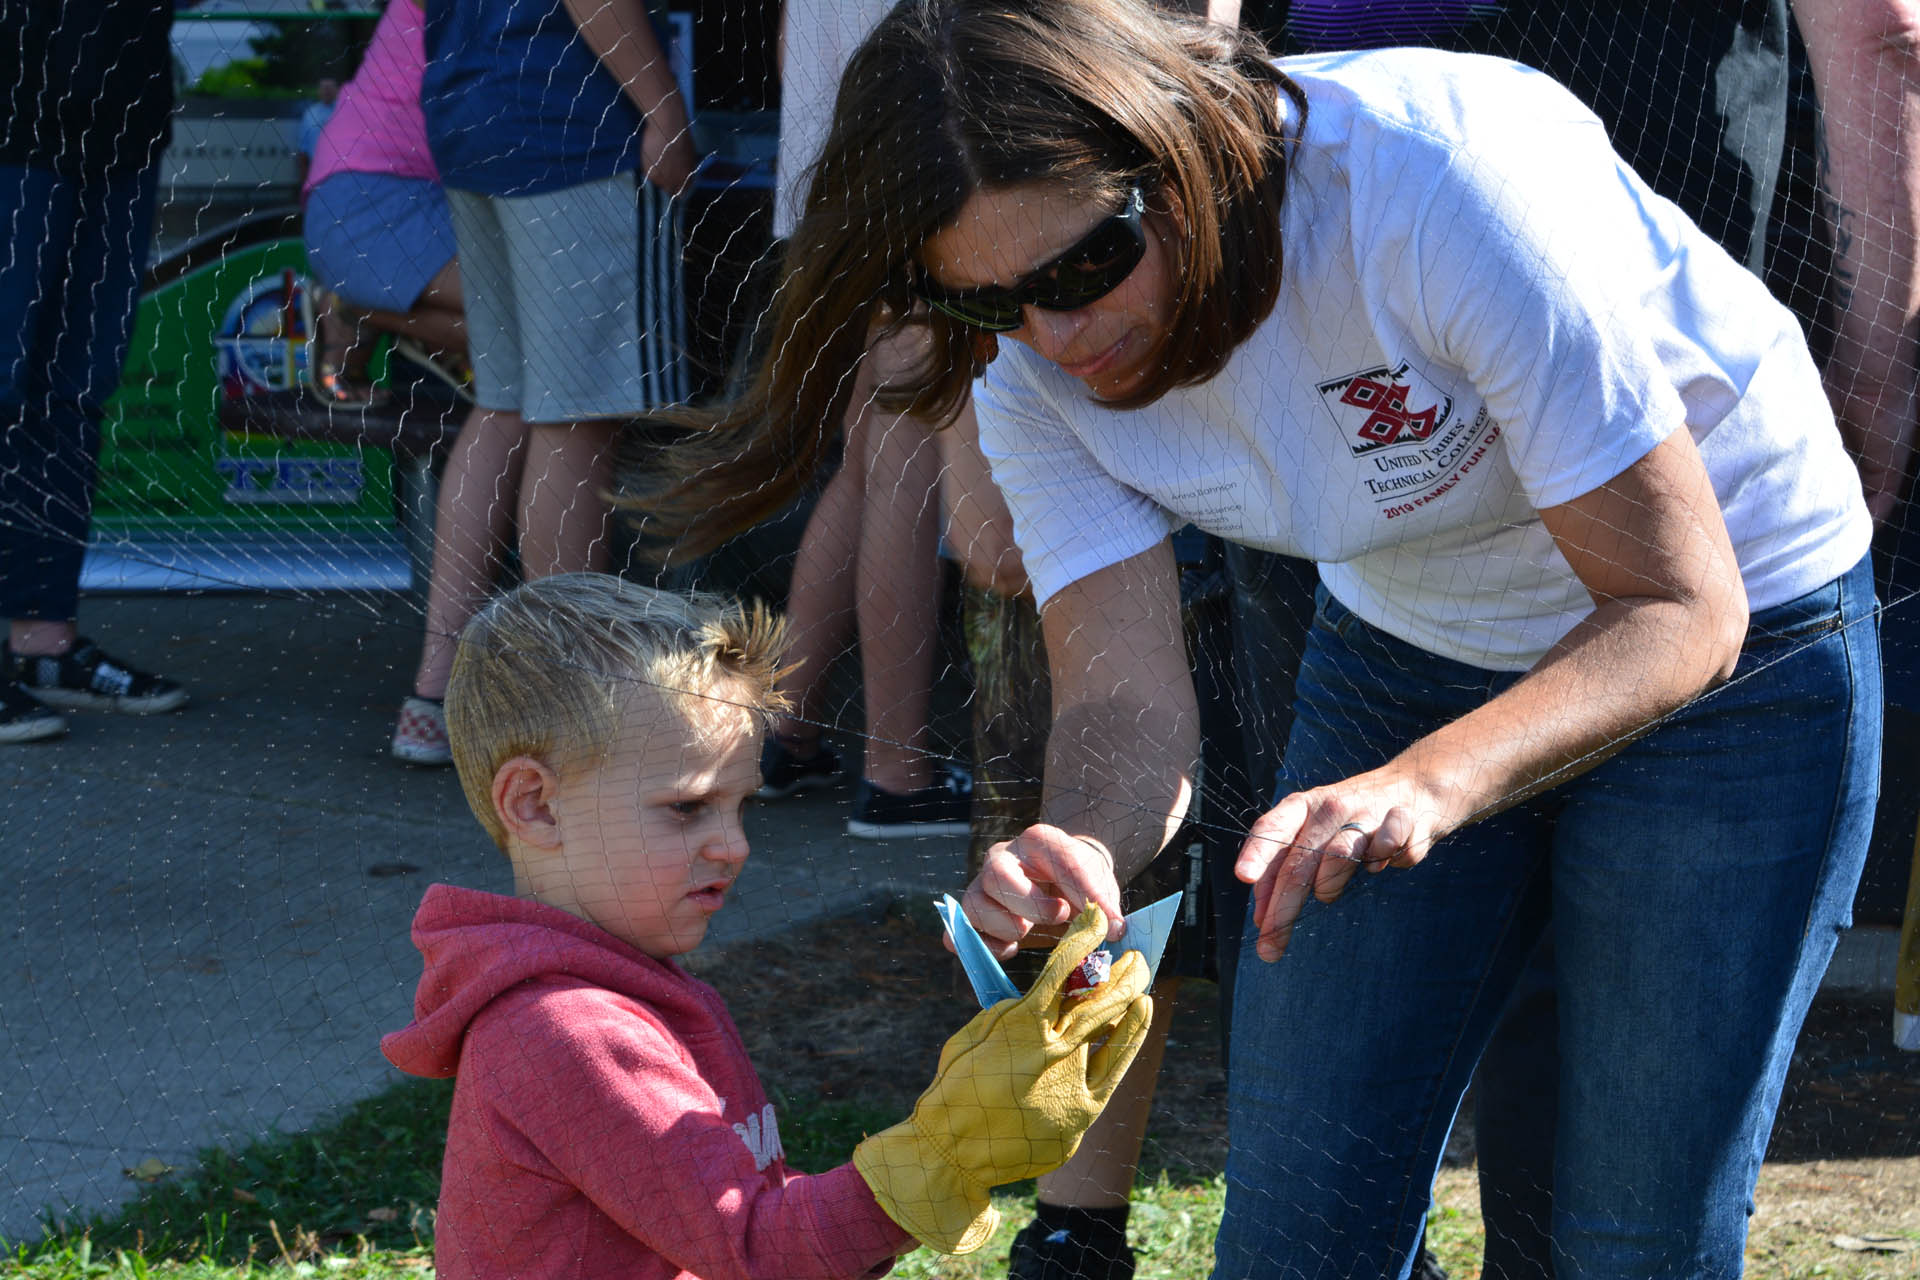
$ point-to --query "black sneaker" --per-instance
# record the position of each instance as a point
(783, 774)
(24, 718)
(85, 679)
(1041, 1254)
(1425, 1267)
(943, 809)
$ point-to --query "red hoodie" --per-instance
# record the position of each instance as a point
(606, 1121)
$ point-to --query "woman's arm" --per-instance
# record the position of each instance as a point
(1119, 757)
(1670, 614)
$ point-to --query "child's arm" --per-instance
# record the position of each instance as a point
(621, 36)
(580, 1092)
(589, 1095)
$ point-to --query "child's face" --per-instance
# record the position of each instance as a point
(651, 838)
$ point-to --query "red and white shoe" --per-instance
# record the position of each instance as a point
(420, 734)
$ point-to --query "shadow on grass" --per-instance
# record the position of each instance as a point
(1850, 1093)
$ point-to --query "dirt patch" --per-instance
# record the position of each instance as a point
(854, 1009)
(858, 1009)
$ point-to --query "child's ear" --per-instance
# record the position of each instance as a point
(524, 794)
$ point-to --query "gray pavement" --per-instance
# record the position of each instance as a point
(209, 922)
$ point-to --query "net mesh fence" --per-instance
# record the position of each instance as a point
(329, 329)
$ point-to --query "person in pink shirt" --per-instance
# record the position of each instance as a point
(606, 1120)
(379, 237)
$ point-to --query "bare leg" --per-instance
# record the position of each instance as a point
(979, 527)
(341, 337)
(438, 316)
(478, 493)
(820, 600)
(881, 514)
(339, 372)
(563, 497)
(1101, 1173)
(41, 637)
(898, 596)
(980, 531)
(441, 332)
(444, 292)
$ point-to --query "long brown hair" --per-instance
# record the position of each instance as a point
(947, 97)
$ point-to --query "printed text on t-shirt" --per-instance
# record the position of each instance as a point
(1458, 473)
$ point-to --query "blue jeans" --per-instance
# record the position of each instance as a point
(1697, 882)
(70, 268)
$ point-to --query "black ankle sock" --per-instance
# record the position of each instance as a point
(1101, 1230)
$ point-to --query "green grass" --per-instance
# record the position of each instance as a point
(354, 1199)
(1171, 1224)
(819, 1135)
(1171, 1228)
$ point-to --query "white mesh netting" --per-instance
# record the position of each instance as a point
(324, 327)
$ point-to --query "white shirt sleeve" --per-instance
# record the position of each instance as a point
(1514, 284)
(1071, 518)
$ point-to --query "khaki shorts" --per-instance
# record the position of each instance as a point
(573, 300)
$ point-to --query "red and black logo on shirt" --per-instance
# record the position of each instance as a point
(1374, 407)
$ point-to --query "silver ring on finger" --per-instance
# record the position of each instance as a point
(1352, 826)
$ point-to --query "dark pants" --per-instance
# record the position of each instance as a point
(70, 274)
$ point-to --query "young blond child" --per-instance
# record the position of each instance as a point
(606, 1121)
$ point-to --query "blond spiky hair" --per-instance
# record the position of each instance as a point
(548, 671)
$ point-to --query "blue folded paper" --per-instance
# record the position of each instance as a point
(1147, 932)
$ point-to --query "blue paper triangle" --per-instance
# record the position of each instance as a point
(990, 981)
(1147, 932)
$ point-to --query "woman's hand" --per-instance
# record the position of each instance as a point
(1043, 876)
(1312, 842)
(1669, 616)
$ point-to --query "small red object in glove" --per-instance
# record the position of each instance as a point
(1090, 973)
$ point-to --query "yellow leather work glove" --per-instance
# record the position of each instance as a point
(1016, 1089)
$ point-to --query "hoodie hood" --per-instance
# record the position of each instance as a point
(477, 945)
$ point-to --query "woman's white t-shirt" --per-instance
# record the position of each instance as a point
(1483, 313)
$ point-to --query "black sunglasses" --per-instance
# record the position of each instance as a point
(1097, 264)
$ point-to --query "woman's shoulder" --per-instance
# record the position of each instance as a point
(1425, 100)
(1390, 132)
